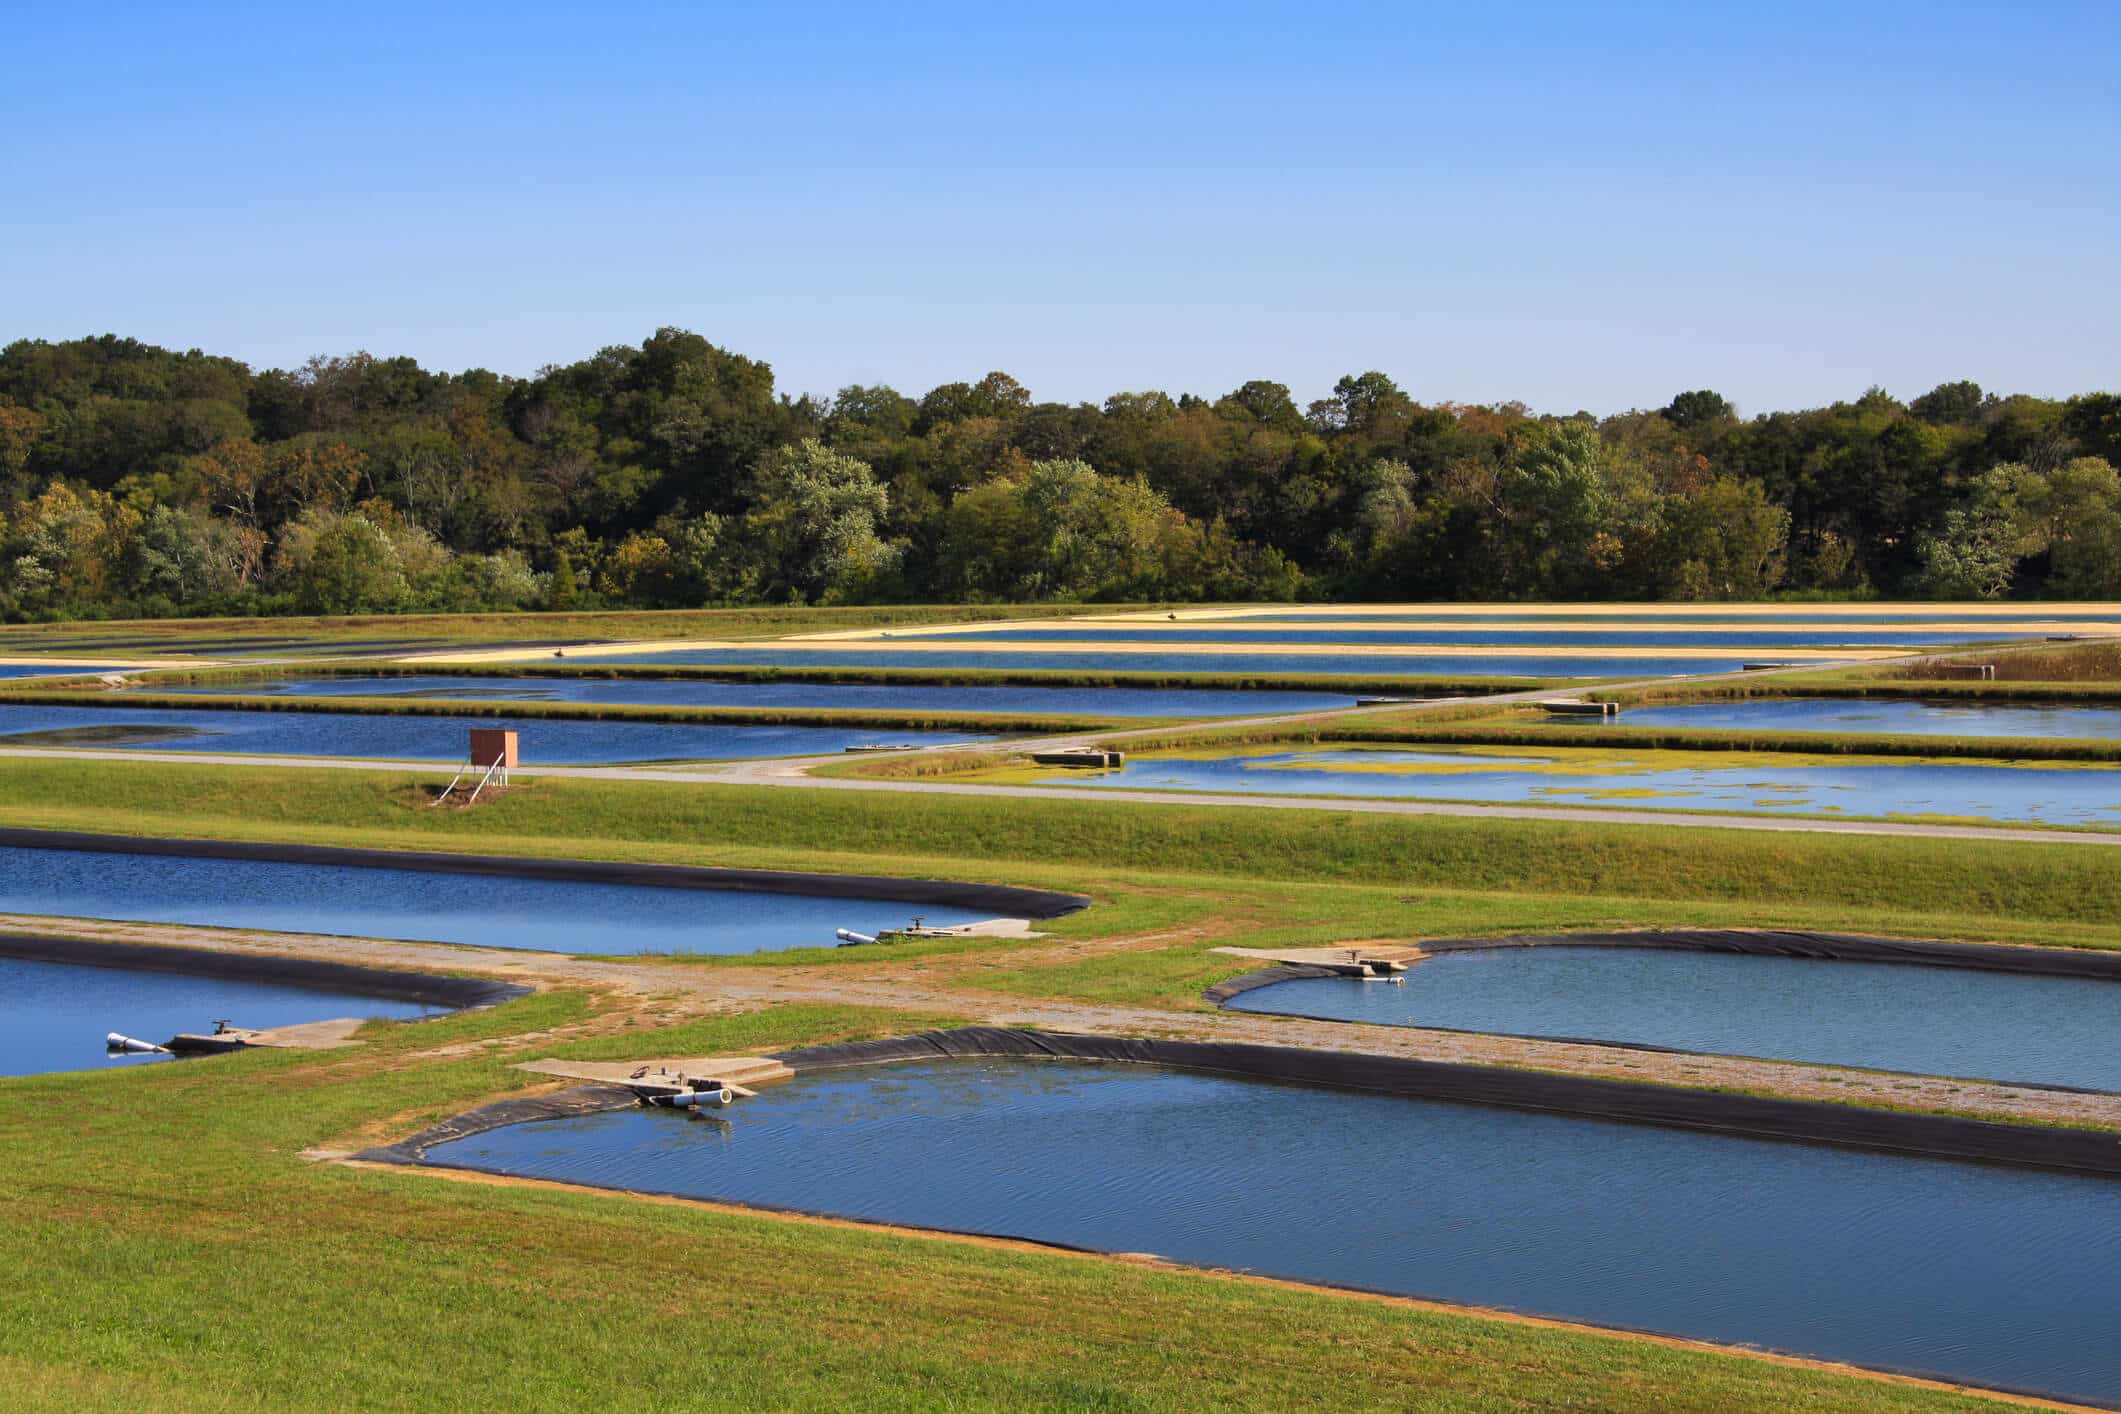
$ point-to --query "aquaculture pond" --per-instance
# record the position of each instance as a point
(54, 1015)
(2044, 621)
(2027, 793)
(491, 911)
(45, 670)
(1148, 660)
(1485, 636)
(1883, 1016)
(1880, 717)
(1980, 1273)
(416, 738)
(868, 697)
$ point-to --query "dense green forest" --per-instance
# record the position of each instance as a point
(136, 481)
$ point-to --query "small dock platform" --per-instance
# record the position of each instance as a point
(667, 1075)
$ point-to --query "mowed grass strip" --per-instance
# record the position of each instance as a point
(173, 1249)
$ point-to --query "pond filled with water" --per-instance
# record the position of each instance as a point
(411, 738)
(1885, 716)
(492, 911)
(38, 670)
(1877, 1015)
(1648, 780)
(2065, 620)
(872, 697)
(54, 1015)
(1981, 1273)
(1506, 636)
(1148, 660)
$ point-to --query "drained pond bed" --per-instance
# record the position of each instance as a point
(1973, 1272)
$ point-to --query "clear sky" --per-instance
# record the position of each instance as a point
(1577, 205)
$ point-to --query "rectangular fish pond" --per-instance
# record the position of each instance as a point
(54, 1015)
(1486, 636)
(1876, 1015)
(873, 697)
(1879, 717)
(484, 910)
(545, 741)
(1988, 1274)
(1782, 783)
(1149, 660)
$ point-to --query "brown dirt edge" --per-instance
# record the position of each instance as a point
(1003, 899)
(431, 988)
(992, 1242)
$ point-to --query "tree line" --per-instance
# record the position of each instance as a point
(139, 481)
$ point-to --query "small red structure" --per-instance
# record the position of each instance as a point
(493, 746)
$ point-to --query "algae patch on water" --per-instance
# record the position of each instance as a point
(128, 734)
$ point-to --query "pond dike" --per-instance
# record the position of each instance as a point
(1747, 1116)
(2081, 964)
(1003, 900)
(390, 984)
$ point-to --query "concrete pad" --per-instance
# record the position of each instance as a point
(736, 1070)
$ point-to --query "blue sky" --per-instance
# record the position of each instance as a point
(1577, 206)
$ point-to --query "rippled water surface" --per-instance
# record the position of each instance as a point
(2051, 795)
(880, 697)
(1977, 1272)
(1500, 636)
(494, 912)
(1885, 1016)
(35, 670)
(1880, 717)
(411, 738)
(54, 1016)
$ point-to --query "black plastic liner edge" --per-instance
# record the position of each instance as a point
(1006, 900)
(1752, 1116)
(456, 993)
(561, 1104)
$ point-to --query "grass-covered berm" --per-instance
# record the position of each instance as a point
(172, 1245)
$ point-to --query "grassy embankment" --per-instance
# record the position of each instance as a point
(1266, 878)
(173, 1248)
(2046, 672)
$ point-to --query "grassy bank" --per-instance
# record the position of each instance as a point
(1073, 843)
(252, 1279)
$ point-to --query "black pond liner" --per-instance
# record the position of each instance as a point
(388, 984)
(1006, 900)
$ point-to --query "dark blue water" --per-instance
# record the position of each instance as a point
(546, 914)
(2024, 793)
(1489, 637)
(1071, 701)
(54, 1016)
(35, 670)
(1826, 714)
(1148, 660)
(1883, 1016)
(544, 741)
(1980, 1273)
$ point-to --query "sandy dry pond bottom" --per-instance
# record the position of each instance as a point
(1981, 1273)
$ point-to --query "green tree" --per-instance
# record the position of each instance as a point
(560, 594)
(812, 529)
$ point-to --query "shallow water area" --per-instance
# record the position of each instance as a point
(1982, 1273)
(1878, 717)
(1875, 1015)
(45, 670)
(873, 697)
(1488, 636)
(552, 915)
(54, 1015)
(1999, 792)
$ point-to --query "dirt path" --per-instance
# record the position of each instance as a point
(663, 993)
